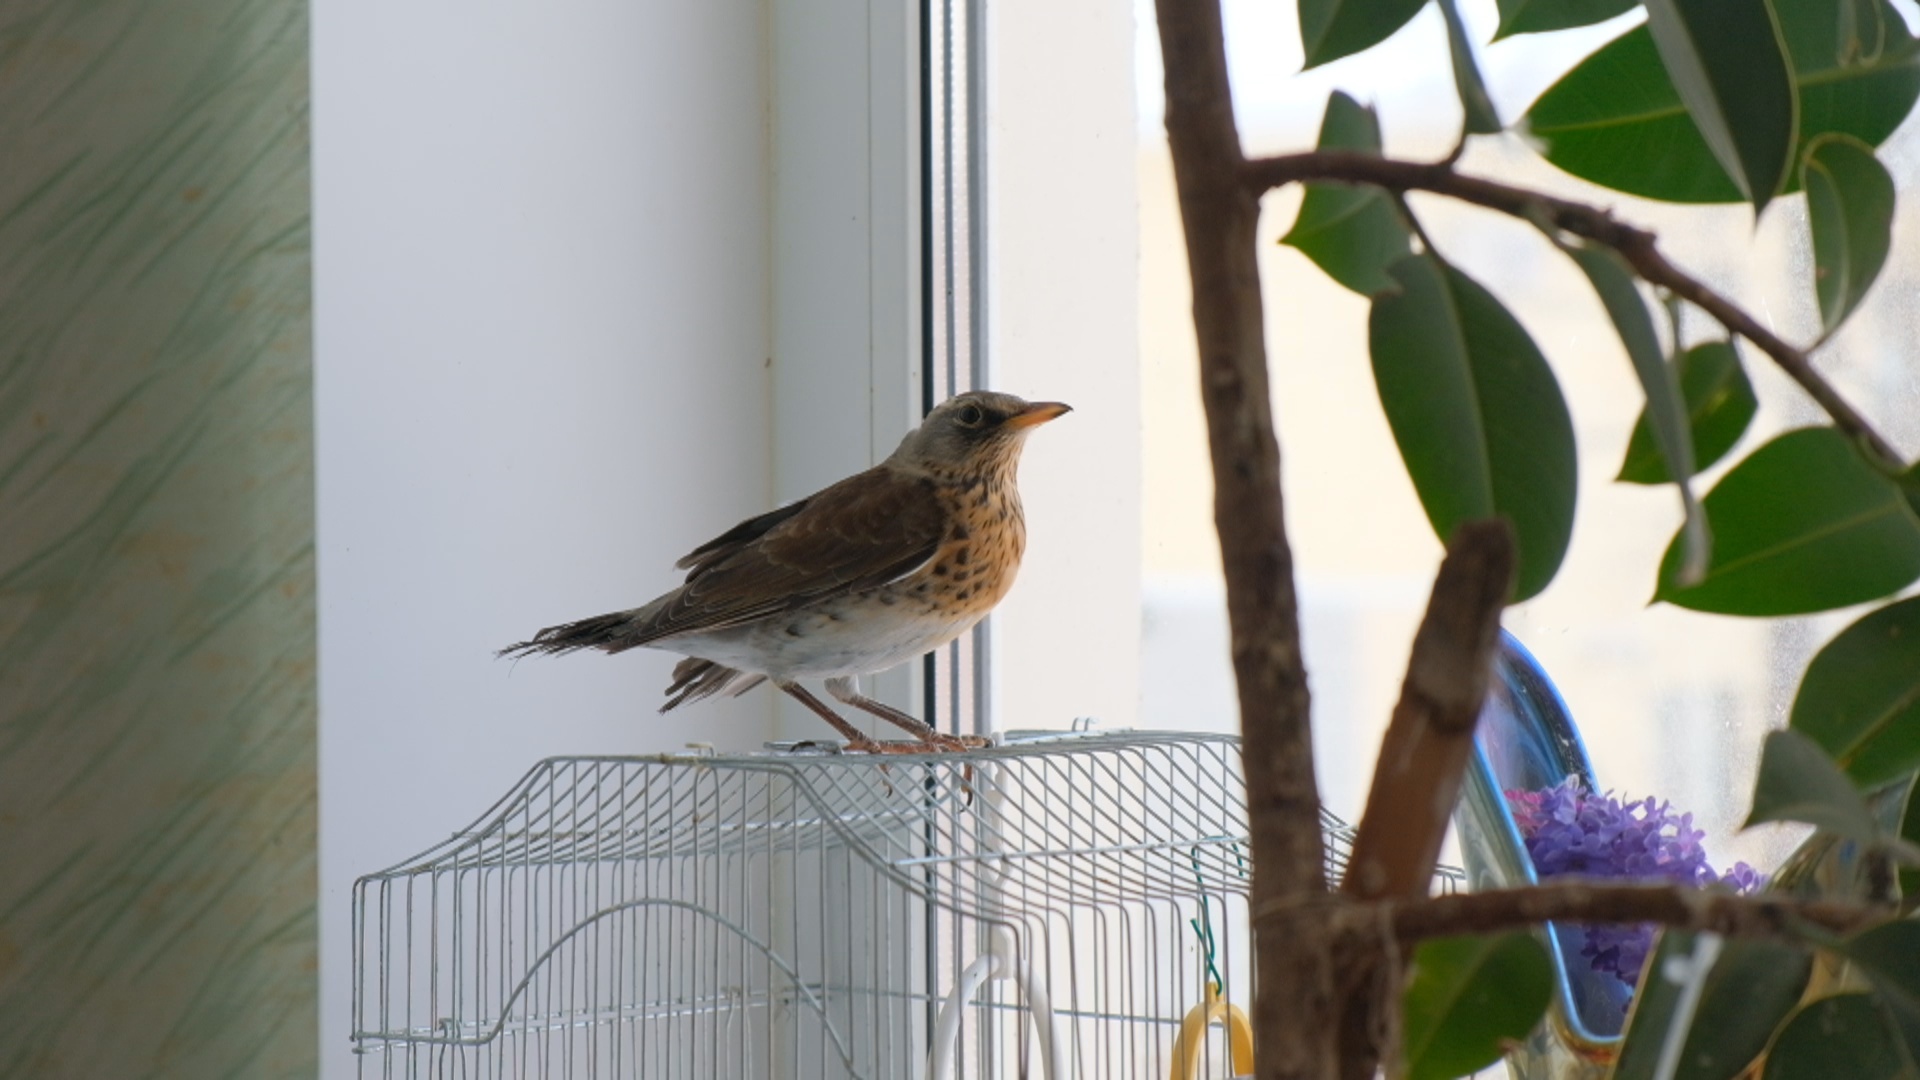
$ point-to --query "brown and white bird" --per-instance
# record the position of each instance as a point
(854, 579)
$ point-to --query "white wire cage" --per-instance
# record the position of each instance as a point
(1056, 906)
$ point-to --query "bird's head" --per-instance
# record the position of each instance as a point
(977, 430)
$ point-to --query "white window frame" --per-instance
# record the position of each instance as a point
(1049, 198)
(846, 356)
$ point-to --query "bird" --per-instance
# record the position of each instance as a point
(863, 575)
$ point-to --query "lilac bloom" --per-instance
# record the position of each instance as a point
(1568, 831)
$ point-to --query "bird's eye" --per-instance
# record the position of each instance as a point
(970, 416)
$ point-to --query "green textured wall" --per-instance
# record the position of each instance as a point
(157, 742)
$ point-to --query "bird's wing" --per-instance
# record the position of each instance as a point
(731, 541)
(864, 531)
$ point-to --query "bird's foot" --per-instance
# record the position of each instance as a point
(864, 745)
(932, 743)
(958, 743)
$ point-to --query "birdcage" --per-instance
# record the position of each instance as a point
(1054, 906)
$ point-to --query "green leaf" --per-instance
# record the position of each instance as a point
(1538, 16)
(1863, 29)
(1665, 412)
(1847, 1035)
(1467, 998)
(1803, 524)
(1720, 405)
(1476, 413)
(1617, 120)
(1752, 986)
(1850, 213)
(1331, 29)
(1799, 782)
(1729, 65)
(1889, 954)
(1480, 117)
(1652, 1008)
(1910, 833)
(1353, 233)
(1860, 697)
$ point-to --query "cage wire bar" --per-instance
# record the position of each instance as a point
(766, 915)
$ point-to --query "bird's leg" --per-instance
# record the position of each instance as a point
(845, 690)
(856, 739)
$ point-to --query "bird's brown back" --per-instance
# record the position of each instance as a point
(862, 532)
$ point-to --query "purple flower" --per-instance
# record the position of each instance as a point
(1568, 831)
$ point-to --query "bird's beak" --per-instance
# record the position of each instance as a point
(1038, 413)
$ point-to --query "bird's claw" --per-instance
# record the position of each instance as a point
(937, 743)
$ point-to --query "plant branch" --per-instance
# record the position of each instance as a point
(1590, 901)
(1416, 778)
(1636, 245)
(1293, 959)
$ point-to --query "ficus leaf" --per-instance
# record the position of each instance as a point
(1353, 233)
(1860, 697)
(1654, 1001)
(1889, 954)
(1802, 524)
(1799, 782)
(1863, 30)
(1665, 412)
(1467, 998)
(1720, 404)
(1729, 65)
(1617, 120)
(1476, 413)
(1910, 833)
(1850, 214)
(1537, 16)
(1753, 985)
(1846, 1035)
(1480, 117)
(1331, 29)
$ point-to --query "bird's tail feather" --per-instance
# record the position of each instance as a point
(694, 679)
(612, 633)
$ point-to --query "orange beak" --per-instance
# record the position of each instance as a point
(1038, 413)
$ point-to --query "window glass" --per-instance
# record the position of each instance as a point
(1672, 703)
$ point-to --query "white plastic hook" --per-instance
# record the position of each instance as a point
(1000, 961)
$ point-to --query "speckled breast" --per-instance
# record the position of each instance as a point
(976, 564)
(880, 628)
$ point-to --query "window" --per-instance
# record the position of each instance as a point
(592, 284)
(1062, 294)
(1671, 702)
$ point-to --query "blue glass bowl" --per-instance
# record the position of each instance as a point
(1527, 741)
